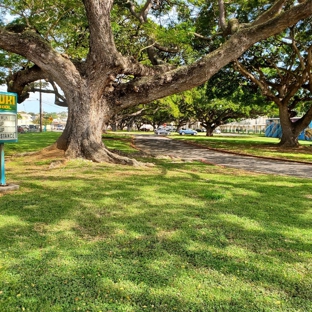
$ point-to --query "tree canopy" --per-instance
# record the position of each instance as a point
(107, 56)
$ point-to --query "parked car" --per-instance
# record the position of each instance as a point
(218, 131)
(187, 131)
(59, 127)
(162, 131)
(25, 127)
(20, 129)
(146, 127)
(170, 128)
(33, 128)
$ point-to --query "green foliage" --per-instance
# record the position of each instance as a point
(181, 107)
(162, 111)
(62, 23)
(9, 63)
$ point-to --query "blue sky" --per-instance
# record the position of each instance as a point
(31, 105)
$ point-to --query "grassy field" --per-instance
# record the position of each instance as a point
(174, 236)
(29, 142)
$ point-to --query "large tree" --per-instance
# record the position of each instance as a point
(121, 70)
(281, 68)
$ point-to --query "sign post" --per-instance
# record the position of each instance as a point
(2, 181)
(8, 131)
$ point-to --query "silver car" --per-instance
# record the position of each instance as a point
(162, 131)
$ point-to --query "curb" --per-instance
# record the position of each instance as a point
(8, 187)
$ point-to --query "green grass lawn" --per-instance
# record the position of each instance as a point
(31, 141)
(175, 236)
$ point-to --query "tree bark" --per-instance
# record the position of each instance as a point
(290, 130)
(209, 131)
(82, 137)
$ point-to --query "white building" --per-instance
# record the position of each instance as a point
(257, 125)
(26, 119)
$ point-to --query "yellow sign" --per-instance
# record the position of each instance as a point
(8, 102)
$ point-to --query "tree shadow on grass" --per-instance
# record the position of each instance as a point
(176, 238)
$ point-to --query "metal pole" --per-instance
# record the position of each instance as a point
(40, 112)
(2, 169)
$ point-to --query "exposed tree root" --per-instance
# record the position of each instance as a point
(59, 157)
(287, 144)
(99, 153)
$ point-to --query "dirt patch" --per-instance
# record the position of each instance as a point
(52, 153)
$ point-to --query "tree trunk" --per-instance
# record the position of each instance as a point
(290, 130)
(82, 137)
(209, 130)
(289, 137)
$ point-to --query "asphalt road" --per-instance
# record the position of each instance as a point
(161, 145)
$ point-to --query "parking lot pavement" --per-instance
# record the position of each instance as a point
(162, 145)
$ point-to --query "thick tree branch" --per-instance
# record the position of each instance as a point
(151, 48)
(60, 100)
(133, 12)
(273, 11)
(19, 82)
(222, 20)
(33, 47)
(148, 89)
(103, 60)
(142, 16)
(146, 9)
(166, 49)
(305, 120)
